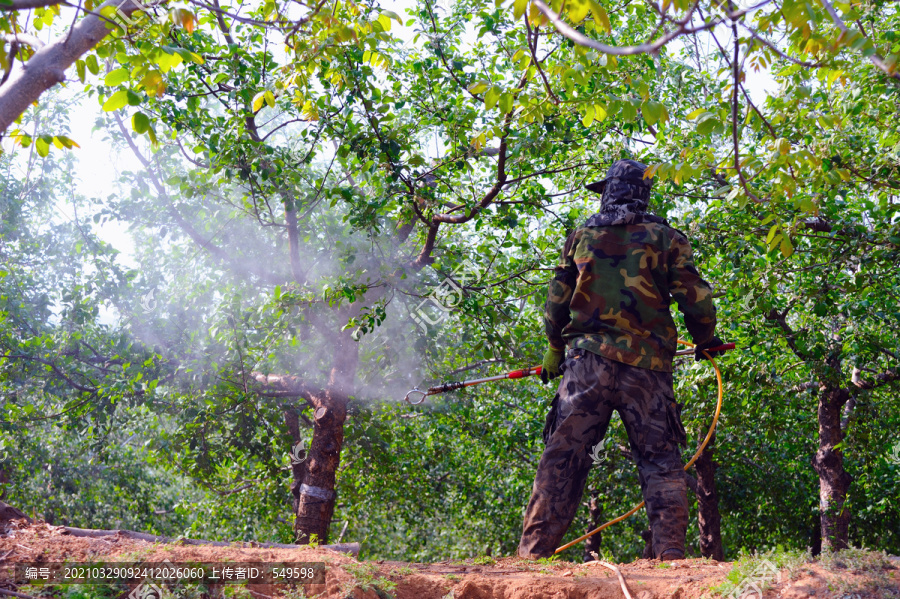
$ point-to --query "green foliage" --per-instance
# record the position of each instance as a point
(761, 569)
(133, 391)
(366, 577)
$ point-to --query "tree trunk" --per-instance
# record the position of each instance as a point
(834, 481)
(298, 456)
(593, 543)
(316, 495)
(708, 505)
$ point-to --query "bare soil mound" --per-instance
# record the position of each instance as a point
(483, 578)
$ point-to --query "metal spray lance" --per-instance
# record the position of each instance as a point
(416, 396)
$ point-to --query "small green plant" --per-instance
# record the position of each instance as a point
(548, 560)
(313, 540)
(293, 592)
(236, 592)
(92, 591)
(760, 570)
(367, 577)
(451, 577)
(855, 559)
(403, 571)
(484, 560)
(872, 564)
(664, 565)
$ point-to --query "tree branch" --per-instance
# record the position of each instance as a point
(878, 380)
(48, 65)
(214, 250)
(875, 58)
(582, 40)
(781, 319)
(12, 5)
(24, 38)
(735, 137)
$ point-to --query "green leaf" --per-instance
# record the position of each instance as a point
(478, 87)
(258, 101)
(588, 115)
(188, 55)
(600, 16)
(694, 114)
(628, 112)
(506, 103)
(653, 112)
(116, 77)
(491, 97)
(42, 146)
(771, 235)
(61, 141)
(392, 15)
(519, 7)
(707, 124)
(80, 68)
(578, 10)
(116, 101)
(140, 122)
(91, 63)
(787, 248)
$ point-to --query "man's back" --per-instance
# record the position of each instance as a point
(612, 291)
(609, 301)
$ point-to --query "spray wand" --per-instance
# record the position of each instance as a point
(416, 396)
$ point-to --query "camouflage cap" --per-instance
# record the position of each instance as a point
(630, 172)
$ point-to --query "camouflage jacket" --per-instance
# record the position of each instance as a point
(613, 287)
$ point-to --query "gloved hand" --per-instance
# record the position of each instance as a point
(714, 342)
(550, 366)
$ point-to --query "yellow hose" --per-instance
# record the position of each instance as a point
(700, 449)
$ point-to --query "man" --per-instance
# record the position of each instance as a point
(609, 303)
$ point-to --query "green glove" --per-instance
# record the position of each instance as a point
(550, 366)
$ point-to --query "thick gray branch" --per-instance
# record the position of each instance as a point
(27, 4)
(48, 65)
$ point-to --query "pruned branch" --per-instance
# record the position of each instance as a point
(283, 385)
(806, 386)
(876, 381)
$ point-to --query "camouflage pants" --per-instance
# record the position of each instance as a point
(591, 388)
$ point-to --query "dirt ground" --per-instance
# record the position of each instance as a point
(484, 578)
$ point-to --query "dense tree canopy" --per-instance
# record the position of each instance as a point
(341, 200)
